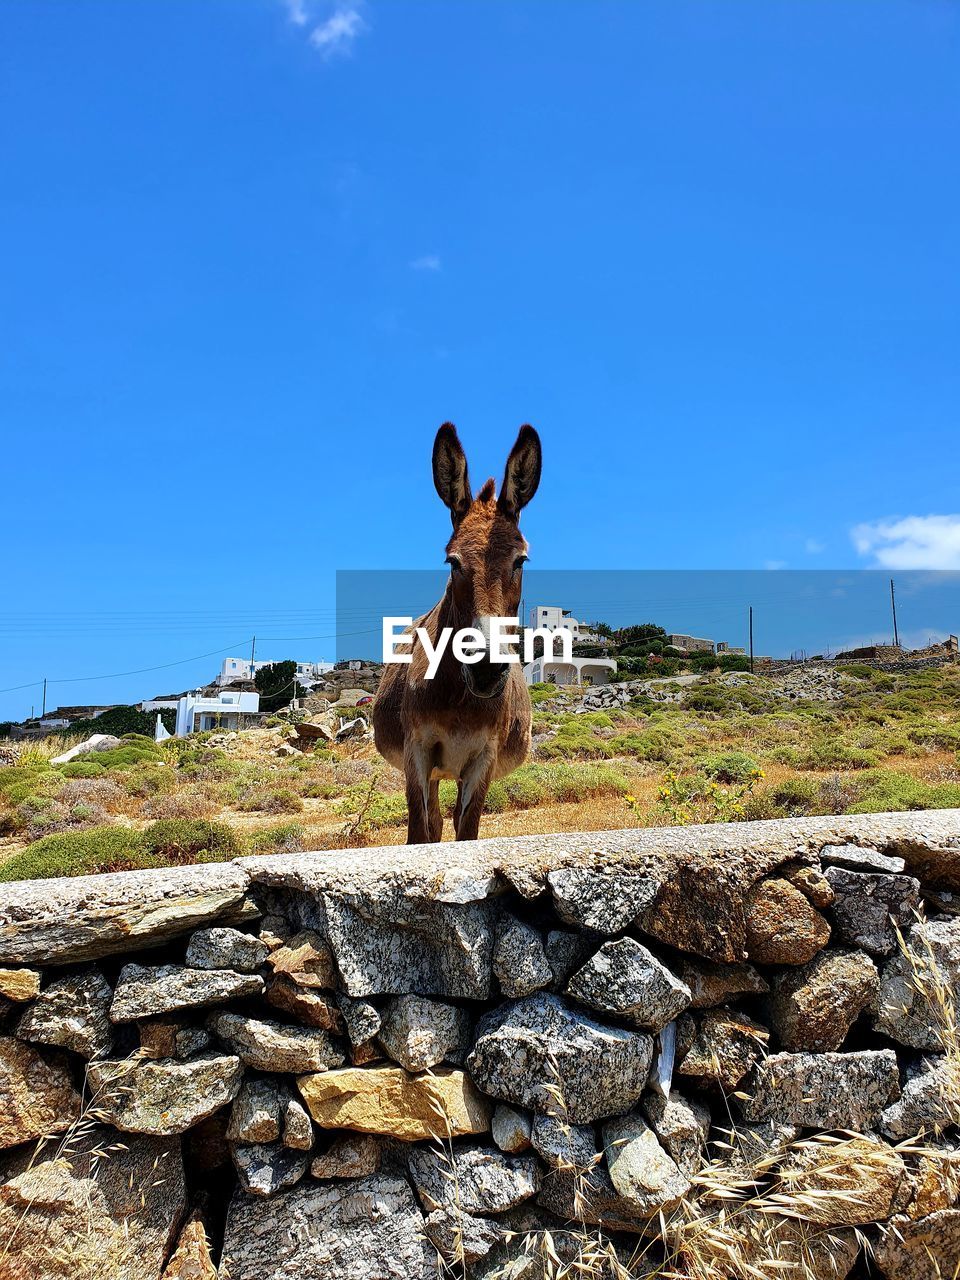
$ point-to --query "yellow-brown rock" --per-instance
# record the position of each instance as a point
(191, 1259)
(19, 984)
(391, 1101)
(783, 926)
(845, 1184)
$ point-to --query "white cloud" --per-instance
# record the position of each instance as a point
(774, 564)
(429, 262)
(337, 34)
(297, 12)
(813, 546)
(910, 542)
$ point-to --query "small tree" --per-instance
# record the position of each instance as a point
(277, 685)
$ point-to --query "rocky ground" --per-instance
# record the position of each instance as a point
(345, 1066)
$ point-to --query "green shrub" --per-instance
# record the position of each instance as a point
(656, 743)
(496, 800)
(796, 796)
(82, 768)
(574, 741)
(728, 766)
(284, 837)
(126, 756)
(178, 840)
(525, 790)
(885, 790)
(78, 853)
(542, 692)
(833, 753)
(572, 782)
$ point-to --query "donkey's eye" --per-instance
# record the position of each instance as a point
(519, 563)
(454, 563)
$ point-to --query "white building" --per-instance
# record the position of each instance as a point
(197, 713)
(553, 618)
(574, 671)
(243, 669)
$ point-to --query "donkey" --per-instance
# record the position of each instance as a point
(472, 721)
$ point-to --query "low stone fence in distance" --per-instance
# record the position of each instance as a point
(415, 1062)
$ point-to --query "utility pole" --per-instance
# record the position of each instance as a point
(44, 711)
(751, 637)
(253, 654)
(893, 606)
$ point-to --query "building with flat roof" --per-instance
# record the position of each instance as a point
(691, 644)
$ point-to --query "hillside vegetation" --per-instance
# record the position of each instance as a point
(730, 747)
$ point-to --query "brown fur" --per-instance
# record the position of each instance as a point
(471, 724)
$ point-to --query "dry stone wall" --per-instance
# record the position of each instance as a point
(243, 1070)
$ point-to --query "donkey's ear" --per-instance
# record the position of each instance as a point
(522, 476)
(450, 472)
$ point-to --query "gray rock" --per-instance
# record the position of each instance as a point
(266, 1168)
(528, 1050)
(349, 1155)
(826, 1090)
(519, 959)
(563, 1145)
(929, 1102)
(255, 1114)
(910, 1012)
(271, 1046)
(221, 948)
(510, 1129)
(318, 1230)
(144, 991)
(361, 1019)
(73, 1013)
(477, 1179)
(460, 1237)
(606, 902)
(395, 945)
(628, 981)
(165, 1096)
(812, 1008)
(191, 1040)
(714, 984)
(856, 858)
(297, 1126)
(682, 1126)
(590, 1199)
(925, 1249)
(69, 920)
(565, 953)
(642, 1173)
(93, 1217)
(867, 905)
(418, 1033)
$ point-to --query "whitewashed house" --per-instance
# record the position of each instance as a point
(197, 712)
(558, 669)
(243, 669)
(556, 619)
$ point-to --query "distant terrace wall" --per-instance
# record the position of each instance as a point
(265, 1051)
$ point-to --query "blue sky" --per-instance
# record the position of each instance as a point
(255, 253)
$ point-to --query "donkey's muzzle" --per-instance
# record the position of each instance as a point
(485, 679)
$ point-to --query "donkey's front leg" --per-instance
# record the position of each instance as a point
(474, 786)
(417, 777)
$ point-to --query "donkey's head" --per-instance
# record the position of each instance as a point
(487, 550)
